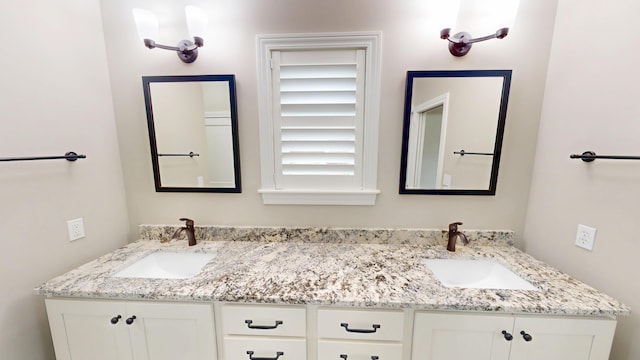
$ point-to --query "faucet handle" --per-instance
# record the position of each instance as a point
(453, 227)
(189, 223)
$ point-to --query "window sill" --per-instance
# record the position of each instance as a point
(318, 197)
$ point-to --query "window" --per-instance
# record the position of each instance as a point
(319, 97)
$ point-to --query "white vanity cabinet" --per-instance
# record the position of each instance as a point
(444, 336)
(122, 330)
(263, 332)
(359, 334)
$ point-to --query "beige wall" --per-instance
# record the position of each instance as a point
(591, 103)
(409, 43)
(54, 97)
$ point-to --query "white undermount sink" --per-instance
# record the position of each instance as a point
(479, 274)
(166, 265)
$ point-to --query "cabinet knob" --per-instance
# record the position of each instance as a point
(507, 336)
(526, 336)
(262, 327)
(130, 320)
(278, 354)
(115, 319)
(361, 331)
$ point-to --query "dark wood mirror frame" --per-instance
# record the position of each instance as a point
(230, 79)
(502, 113)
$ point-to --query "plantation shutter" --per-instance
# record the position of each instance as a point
(318, 111)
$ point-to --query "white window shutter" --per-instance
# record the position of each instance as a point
(319, 113)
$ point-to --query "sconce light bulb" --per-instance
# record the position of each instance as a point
(197, 21)
(146, 24)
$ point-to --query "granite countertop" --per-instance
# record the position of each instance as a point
(382, 275)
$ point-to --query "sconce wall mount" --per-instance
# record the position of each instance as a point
(486, 13)
(187, 50)
(460, 43)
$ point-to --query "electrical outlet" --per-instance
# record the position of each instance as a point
(76, 229)
(585, 237)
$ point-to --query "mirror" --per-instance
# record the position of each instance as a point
(452, 132)
(193, 132)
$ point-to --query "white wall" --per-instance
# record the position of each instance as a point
(410, 42)
(54, 97)
(591, 103)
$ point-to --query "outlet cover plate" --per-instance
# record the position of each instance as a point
(585, 237)
(76, 229)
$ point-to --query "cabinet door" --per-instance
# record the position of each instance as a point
(83, 330)
(170, 331)
(562, 338)
(439, 336)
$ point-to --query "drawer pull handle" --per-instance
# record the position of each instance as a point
(526, 336)
(115, 319)
(344, 356)
(360, 331)
(278, 354)
(507, 336)
(262, 327)
(130, 320)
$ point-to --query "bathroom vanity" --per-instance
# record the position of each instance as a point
(324, 294)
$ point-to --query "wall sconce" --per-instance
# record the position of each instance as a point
(498, 14)
(187, 50)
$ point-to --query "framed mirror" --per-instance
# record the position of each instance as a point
(193, 132)
(452, 131)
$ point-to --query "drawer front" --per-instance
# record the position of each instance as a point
(361, 324)
(333, 350)
(239, 348)
(264, 320)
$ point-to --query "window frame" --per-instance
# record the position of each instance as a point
(365, 194)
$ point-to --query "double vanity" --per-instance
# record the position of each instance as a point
(316, 293)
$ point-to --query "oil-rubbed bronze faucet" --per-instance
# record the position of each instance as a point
(454, 234)
(189, 228)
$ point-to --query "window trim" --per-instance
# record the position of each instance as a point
(371, 42)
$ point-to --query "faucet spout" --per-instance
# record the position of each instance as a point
(189, 228)
(453, 236)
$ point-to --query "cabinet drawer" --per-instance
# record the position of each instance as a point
(237, 348)
(264, 320)
(363, 350)
(361, 324)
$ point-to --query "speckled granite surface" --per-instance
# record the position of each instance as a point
(387, 273)
(327, 235)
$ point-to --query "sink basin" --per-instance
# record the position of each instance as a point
(479, 274)
(166, 265)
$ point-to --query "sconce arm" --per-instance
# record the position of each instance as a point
(187, 50)
(464, 38)
(184, 45)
